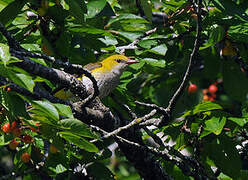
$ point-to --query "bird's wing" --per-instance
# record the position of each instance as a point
(92, 66)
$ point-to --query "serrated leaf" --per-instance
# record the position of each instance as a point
(240, 121)
(216, 35)
(47, 108)
(58, 169)
(124, 17)
(203, 107)
(94, 7)
(64, 110)
(4, 53)
(79, 141)
(109, 40)
(88, 30)
(147, 44)
(232, 9)
(130, 35)
(9, 13)
(160, 50)
(239, 32)
(216, 123)
(77, 127)
(57, 163)
(22, 80)
(13, 103)
(155, 62)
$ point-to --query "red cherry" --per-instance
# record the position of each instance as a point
(211, 99)
(205, 98)
(16, 132)
(27, 139)
(13, 125)
(192, 88)
(204, 91)
(13, 144)
(25, 157)
(6, 127)
(212, 88)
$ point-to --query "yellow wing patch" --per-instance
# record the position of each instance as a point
(92, 66)
(63, 94)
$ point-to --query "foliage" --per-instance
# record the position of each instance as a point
(211, 127)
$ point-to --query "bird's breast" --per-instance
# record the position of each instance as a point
(106, 82)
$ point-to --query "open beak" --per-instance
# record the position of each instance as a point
(131, 61)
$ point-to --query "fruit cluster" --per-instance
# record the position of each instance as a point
(208, 94)
(17, 131)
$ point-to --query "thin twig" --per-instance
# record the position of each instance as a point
(133, 44)
(160, 109)
(132, 123)
(187, 74)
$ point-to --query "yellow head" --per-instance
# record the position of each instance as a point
(117, 62)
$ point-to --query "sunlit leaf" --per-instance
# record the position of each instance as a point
(79, 141)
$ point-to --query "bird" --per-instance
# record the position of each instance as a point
(107, 74)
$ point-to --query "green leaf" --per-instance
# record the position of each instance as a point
(173, 4)
(9, 13)
(79, 141)
(4, 53)
(180, 142)
(46, 108)
(147, 8)
(100, 171)
(235, 82)
(130, 35)
(232, 9)
(109, 40)
(225, 156)
(88, 30)
(216, 123)
(160, 50)
(22, 80)
(57, 163)
(203, 107)
(147, 44)
(77, 127)
(77, 9)
(13, 103)
(64, 110)
(94, 7)
(3, 142)
(239, 32)
(127, 18)
(155, 62)
(240, 121)
(216, 35)
(58, 169)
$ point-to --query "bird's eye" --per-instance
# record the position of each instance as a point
(118, 60)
